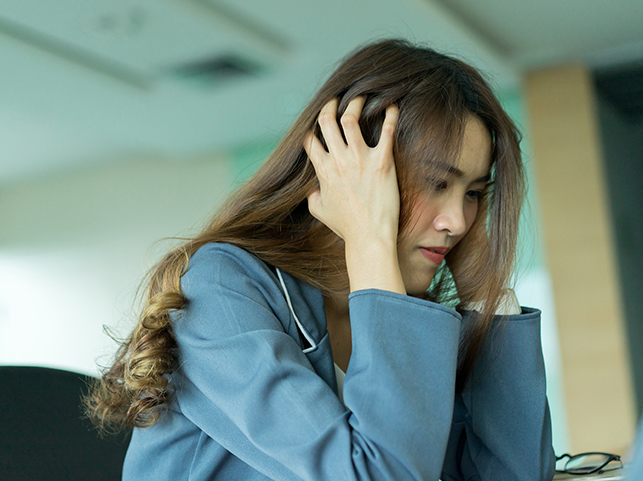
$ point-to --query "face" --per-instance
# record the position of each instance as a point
(444, 213)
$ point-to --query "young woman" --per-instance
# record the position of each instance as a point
(347, 314)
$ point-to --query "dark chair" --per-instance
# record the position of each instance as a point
(43, 434)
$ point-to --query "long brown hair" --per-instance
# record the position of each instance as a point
(268, 216)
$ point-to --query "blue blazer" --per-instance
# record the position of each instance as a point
(252, 401)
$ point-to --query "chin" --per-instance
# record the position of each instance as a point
(418, 285)
(417, 289)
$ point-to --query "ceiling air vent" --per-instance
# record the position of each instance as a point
(217, 70)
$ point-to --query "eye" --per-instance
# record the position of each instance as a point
(437, 184)
(476, 194)
(481, 193)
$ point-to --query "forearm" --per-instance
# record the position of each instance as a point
(503, 420)
(400, 386)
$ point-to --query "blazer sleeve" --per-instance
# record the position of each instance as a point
(248, 386)
(502, 426)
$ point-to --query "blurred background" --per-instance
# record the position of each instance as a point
(128, 121)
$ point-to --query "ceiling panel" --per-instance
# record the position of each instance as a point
(532, 33)
(93, 81)
(148, 37)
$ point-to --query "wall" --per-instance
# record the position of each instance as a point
(577, 233)
(533, 284)
(74, 247)
(622, 140)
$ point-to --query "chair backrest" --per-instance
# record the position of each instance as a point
(43, 434)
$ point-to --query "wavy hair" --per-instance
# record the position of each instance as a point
(268, 216)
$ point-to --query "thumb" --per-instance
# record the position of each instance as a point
(314, 203)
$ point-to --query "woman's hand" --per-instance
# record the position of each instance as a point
(508, 304)
(358, 196)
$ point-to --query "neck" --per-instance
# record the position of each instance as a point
(336, 307)
(339, 329)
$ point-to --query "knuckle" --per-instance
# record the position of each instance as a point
(325, 117)
(349, 120)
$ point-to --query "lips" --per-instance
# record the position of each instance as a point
(434, 254)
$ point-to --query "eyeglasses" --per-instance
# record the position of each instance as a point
(589, 463)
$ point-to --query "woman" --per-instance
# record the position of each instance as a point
(376, 243)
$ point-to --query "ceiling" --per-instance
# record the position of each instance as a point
(87, 81)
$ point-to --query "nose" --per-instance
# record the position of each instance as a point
(451, 218)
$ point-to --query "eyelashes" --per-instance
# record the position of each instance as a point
(440, 185)
(477, 194)
(436, 184)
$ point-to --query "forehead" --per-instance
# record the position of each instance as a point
(433, 144)
(467, 154)
(474, 157)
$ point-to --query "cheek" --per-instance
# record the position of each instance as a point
(470, 214)
(422, 216)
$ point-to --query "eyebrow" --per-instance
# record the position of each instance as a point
(450, 169)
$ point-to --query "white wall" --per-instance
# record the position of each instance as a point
(73, 249)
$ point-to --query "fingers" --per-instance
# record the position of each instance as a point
(350, 122)
(314, 148)
(327, 121)
(387, 136)
(357, 195)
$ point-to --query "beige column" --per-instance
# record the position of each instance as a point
(579, 246)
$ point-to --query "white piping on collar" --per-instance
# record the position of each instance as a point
(311, 341)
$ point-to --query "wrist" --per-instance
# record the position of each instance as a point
(374, 265)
